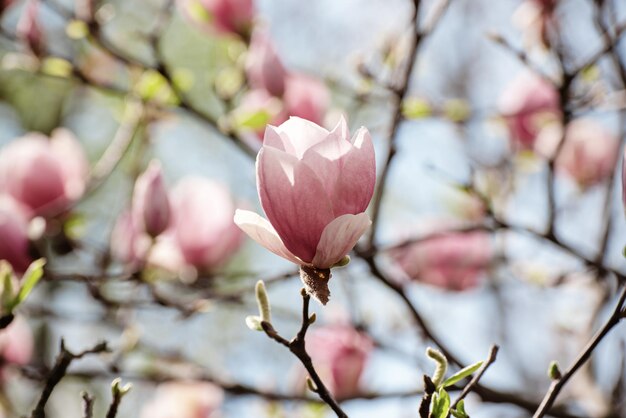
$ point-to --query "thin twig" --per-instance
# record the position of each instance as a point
(558, 384)
(88, 401)
(298, 348)
(63, 361)
(491, 358)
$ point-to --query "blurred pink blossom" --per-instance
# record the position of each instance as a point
(46, 174)
(340, 354)
(222, 16)
(534, 18)
(202, 234)
(16, 342)
(129, 244)
(589, 153)
(263, 66)
(14, 220)
(529, 104)
(452, 261)
(314, 186)
(151, 206)
(29, 29)
(306, 97)
(184, 400)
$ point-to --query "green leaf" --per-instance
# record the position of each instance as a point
(253, 120)
(29, 280)
(459, 412)
(461, 374)
(7, 291)
(441, 404)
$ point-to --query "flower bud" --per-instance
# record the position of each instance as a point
(223, 16)
(29, 30)
(14, 232)
(263, 66)
(340, 354)
(45, 174)
(528, 105)
(151, 207)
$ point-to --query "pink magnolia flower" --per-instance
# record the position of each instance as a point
(340, 354)
(528, 104)
(16, 342)
(223, 16)
(534, 17)
(452, 261)
(314, 186)
(45, 174)
(263, 66)
(14, 232)
(306, 97)
(129, 243)
(202, 234)
(28, 28)
(184, 400)
(589, 153)
(151, 206)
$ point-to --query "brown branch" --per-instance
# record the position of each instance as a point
(88, 401)
(298, 348)
(558, 384)
(400, 93)
(63, 361)
(491, 358)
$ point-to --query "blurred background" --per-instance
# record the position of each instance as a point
(498, 218)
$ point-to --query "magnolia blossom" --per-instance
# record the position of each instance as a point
(28, 28)
(452, 261)
(534, 17)
(529, 104)
(16, 342)
(223, 16)
(340, 354)
(306, 97)
(589, 153)
(151, 207)
(184, 400)
(129, 243)
(314, 186)
(263, 66)
(45, 174)
(202, 234)
(14, 233)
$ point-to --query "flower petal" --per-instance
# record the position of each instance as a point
(294, 201)
(302, 134)
(338, 238)
(355, 185)
(260, 230)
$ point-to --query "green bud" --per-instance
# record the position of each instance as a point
(263, 301)
(441, 365)
(554, 372)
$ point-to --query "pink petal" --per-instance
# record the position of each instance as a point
(260, 230)
(71, 156)
(276, 139)
(339, 237)
(355, 185)
(348, 172)
(294, 201)
(302, 134)
(327, 160)
(341, 129)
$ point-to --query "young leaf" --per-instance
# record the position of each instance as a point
(461, 374)
(459, 412)
(29, 280)
(441, 405)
